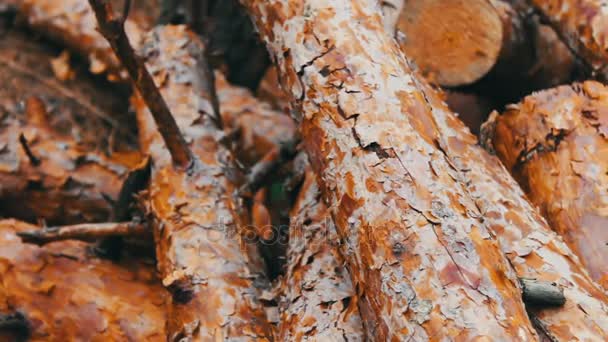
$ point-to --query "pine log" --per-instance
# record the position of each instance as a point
(422, 262)
(201, 254)
(72, 23)
(64, 294)
(555, 143)
(459, 42)
(582, 24)
(317, 301)
(534, 250)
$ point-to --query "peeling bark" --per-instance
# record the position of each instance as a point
(318, 301)
(201, 254)
(532, 248)
(555, 143)
(583, 25)
(422, 262)
(63, 294)
(72, 23)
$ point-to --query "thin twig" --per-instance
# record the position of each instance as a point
(113, 30)
(85, 232)
(33, 159)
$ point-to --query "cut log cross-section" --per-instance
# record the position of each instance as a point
(458, 42)
(421, 260)
(555, 143)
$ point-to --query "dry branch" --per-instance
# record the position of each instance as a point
(112, 27)
(318, 301)
(84, 232)
(211, 271)
(420, 258)
(65, 294)
(555, 143)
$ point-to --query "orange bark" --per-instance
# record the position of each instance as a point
(67, 295)
(317, 300)
(533, 249)
(423, 263)
(201, 255)
(555, 143)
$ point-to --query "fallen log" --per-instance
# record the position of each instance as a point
(195, 216)
(533, 249)
(60, 292)
(555, 143)
(422, 262)
(317, 298)
(457, 43)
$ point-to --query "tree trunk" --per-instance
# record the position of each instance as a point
(456, 43)
(318, 301)
(201, 255)
(582, 24)
(555, 143)
(422, 261)
(64, 294)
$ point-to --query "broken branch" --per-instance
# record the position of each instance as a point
(85, 232)
(112, 28)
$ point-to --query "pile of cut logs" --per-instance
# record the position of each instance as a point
(303, 170)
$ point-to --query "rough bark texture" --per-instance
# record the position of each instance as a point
(70, 131)
(555, 143)
(421, 261)
(533, 249)
(201, 255)
(73, 24)
(583, 24)
(317, 301)
(67, 295)
(457, 43)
